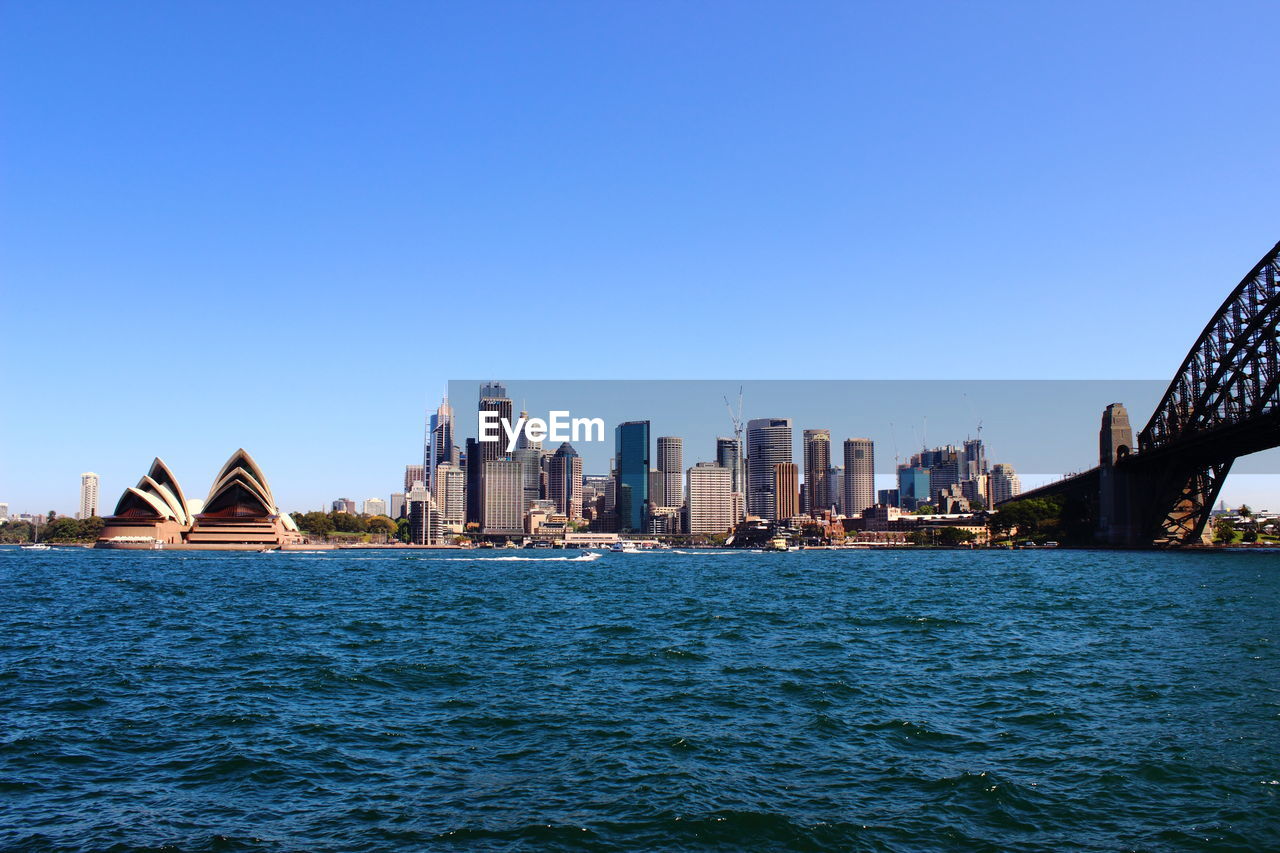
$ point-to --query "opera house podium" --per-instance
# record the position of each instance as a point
(240, 513)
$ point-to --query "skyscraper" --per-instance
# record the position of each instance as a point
(913, 486)
(88, 495)
(440, 441)
(529, 455)
(450, 496)
(817, 470)
(503, 509)
(375, 506)
(564, 481)
(1005, 484)
(711, 504)
(671, 470)
(974, 458)
(397, 505)
(729, 455)
(786, 489)
(859, 475)
(631, 456)
(768, 444)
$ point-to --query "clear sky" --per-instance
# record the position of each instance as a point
(286, 225)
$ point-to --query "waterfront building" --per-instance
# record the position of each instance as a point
(375, 506)
(347, 505)
(913, 486)
(397, 504)
(414, 474)
(859, 475)
(768, 445)
(239, 513)
(450, 496)
(973, 459)
(944, 470)
(786, 490)
(817, 471)
(835, 482)
(88, 495)
(564, 482)
(663, 519)
(631, 458)
(671, 470)
(1005, 484)
(711, 498)
(424, 520)
(729, 455)
(503, 509)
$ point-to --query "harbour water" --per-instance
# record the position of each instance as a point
(1050, 700)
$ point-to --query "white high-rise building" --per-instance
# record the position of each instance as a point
(4, 511)
(88, 495)
(712, 502)
(375, 506)
(451, 495)
(1005, 484)
(671, 471)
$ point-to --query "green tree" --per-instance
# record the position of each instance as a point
(924, 509)
(382, 524)
(1224, 531)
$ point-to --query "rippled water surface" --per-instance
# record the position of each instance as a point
(719, 700)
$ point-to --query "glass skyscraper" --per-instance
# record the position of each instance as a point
(631, 454)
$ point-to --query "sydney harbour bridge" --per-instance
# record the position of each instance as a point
(1223, 403)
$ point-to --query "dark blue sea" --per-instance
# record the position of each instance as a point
(905, 701)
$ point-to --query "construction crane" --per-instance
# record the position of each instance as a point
(736, 419)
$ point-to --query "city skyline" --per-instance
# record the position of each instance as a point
(547, 164)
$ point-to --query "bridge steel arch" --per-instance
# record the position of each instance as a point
(1223, 403)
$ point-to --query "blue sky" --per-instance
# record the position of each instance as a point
(285, 226)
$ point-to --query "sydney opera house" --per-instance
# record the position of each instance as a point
(240, 513)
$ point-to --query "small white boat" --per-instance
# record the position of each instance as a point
(624, 548)
(36, 546)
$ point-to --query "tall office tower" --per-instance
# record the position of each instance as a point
(440, 446)
(631, 456)
(414, 474)
(913, 486)
(945, 470)
(711, 504)
(4, 511)
(786, 490)
(423, 518)
(503, 510)
(397, 504)
(977, 489)
(974, 459)
(88, 495)
(655, 488)
(375, 506)
(817, 470)
(768, 444)
(450, 496)
(1004, 483)
(473, 474)
(347, 505)
(835, 482)
(729, 455)
(564, 481)
(671, 469)
(530, 459)
(1115, 439)
(500, 403)
(859, 475)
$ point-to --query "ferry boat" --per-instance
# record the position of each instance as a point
(777, 543)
